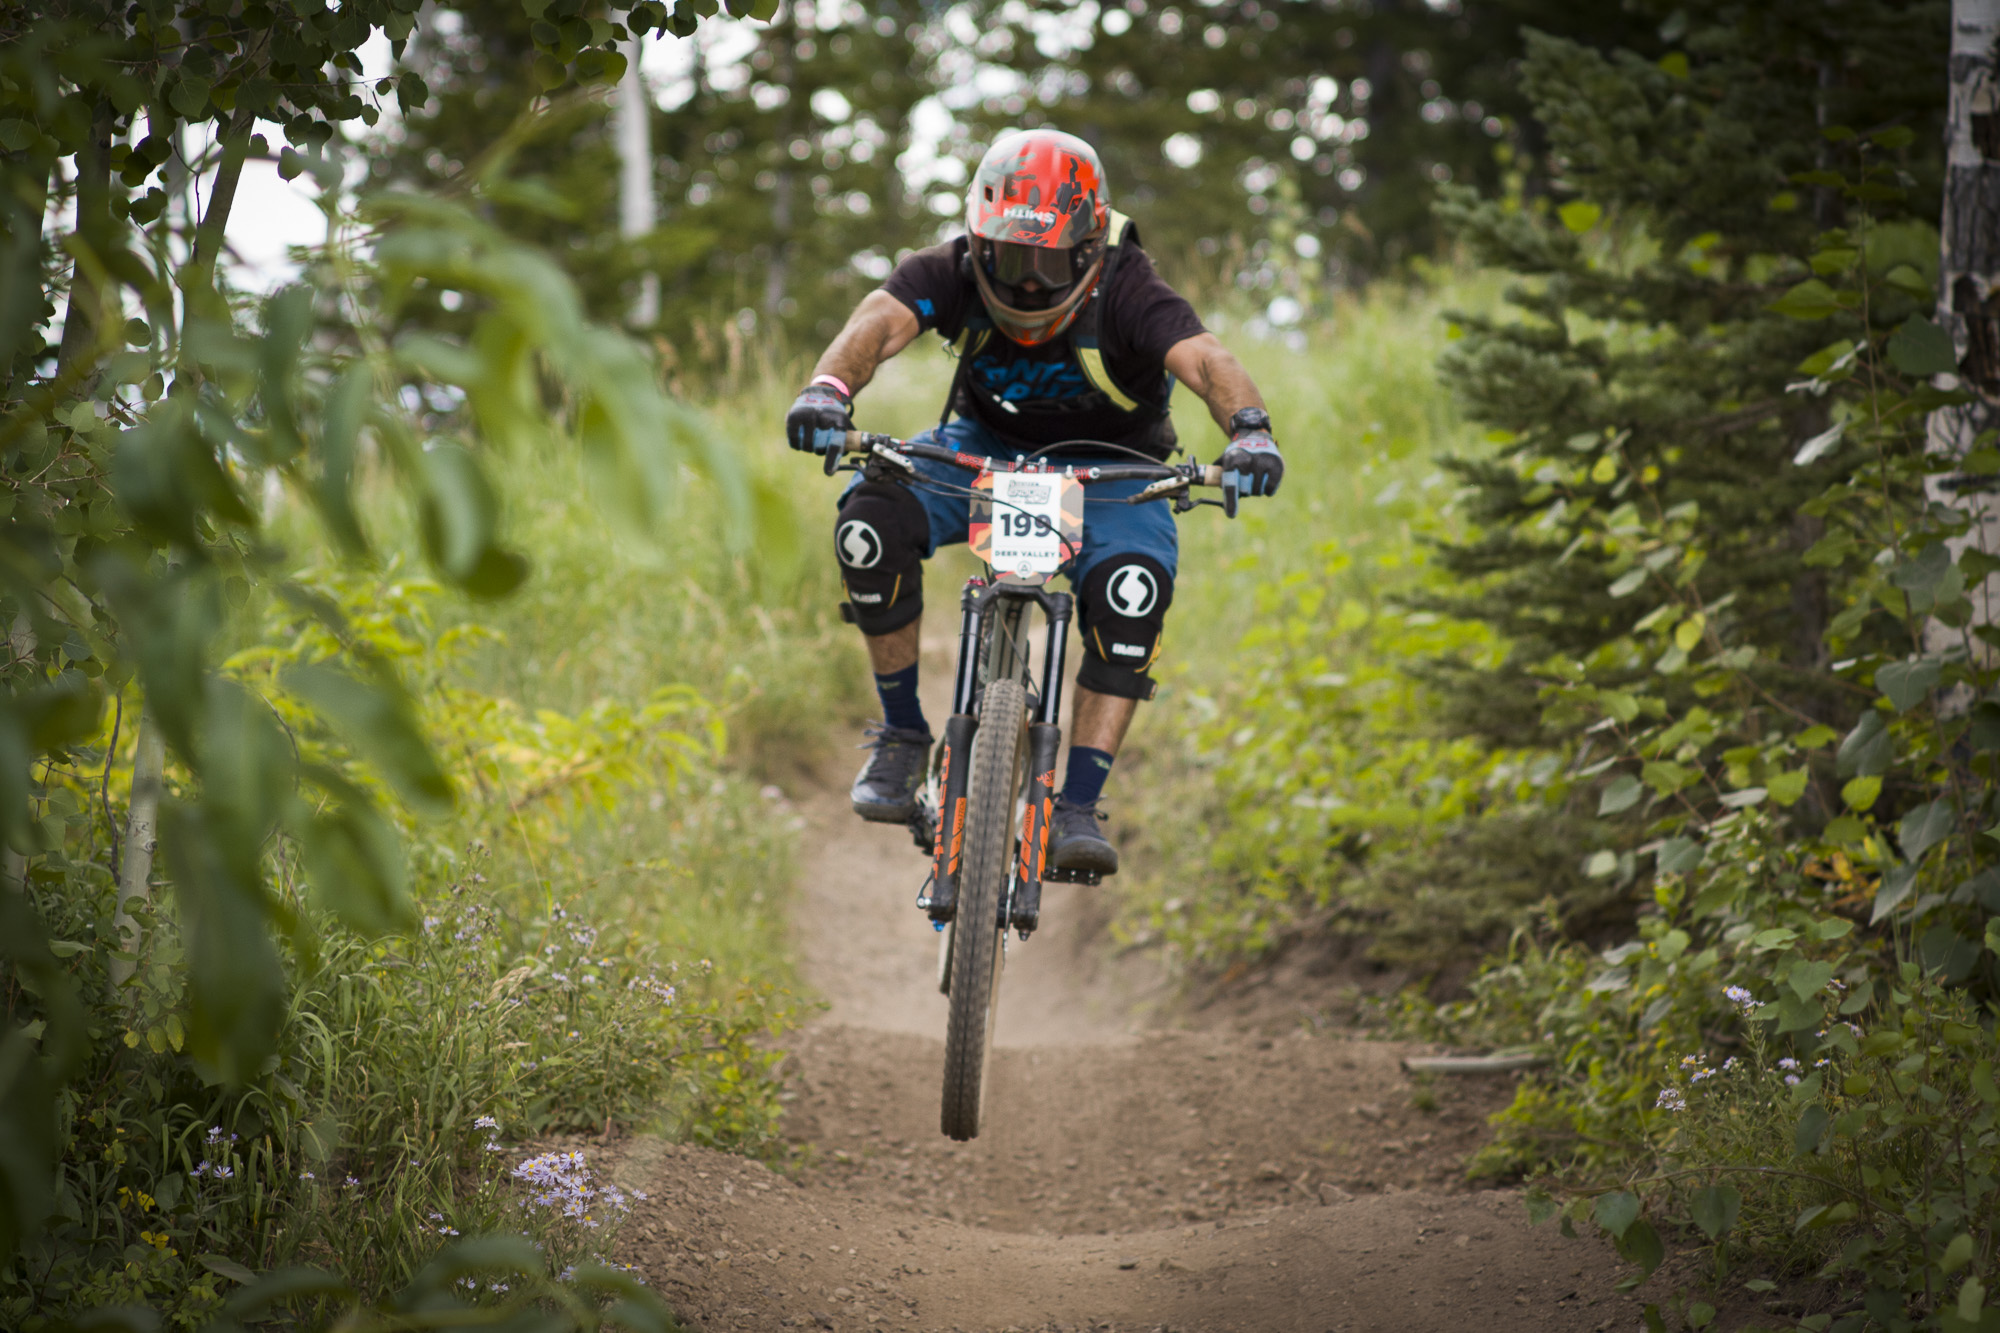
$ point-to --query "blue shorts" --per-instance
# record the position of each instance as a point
(1110, 530)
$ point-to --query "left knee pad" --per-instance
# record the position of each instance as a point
(1122, 606)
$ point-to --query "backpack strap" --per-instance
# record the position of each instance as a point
(972, 336)
(1083, 334)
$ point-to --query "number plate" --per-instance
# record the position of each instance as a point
(1026, 524)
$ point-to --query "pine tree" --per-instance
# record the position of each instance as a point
(1263, 122)
(1655, 339)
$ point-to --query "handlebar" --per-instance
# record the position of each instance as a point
(1167, 478)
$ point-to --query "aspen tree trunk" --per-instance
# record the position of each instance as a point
(142, 836)
(635, 176)
(1969, 274)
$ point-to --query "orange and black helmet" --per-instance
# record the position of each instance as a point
(1036, 216)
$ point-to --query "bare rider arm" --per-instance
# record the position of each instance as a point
(1216, 376)
(880, 327)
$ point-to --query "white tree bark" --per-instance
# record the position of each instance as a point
(636, 216)
(1969, 272)
(142, 835)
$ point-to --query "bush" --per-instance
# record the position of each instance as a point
(414, 1071)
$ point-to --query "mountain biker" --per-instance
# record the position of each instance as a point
(1062, 331)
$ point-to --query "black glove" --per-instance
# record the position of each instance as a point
(816, 415)
(1252, 464)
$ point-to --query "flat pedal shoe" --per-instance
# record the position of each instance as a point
(1077, 843)
(885, 791)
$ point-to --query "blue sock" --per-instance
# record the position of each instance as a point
(1084, 782)
(900, 706)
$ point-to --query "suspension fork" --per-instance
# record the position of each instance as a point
(955, 763)
(1044, 739)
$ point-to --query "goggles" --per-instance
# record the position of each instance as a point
(1012, 264)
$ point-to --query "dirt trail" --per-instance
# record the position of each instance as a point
(1140, 1170)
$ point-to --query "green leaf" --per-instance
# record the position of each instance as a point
(355, 864)
(1616, 1211)
(1957, 1254)
(1890, 893)
(1600, 864)
(1580, 216)
(1993, 934)
(1971, 1299)
(1811, 299)
(1819, 445)
(347, 408)
(1541, 1206)
(1629, 582)
(459, 510)
(1641, 1245)
(236, 985)
(1809, 979)
(1868, 749)
(1623, 793)
(1827, 357)
(1925, 827)
(223, 1266)
(1907, 684)
(1715, 1209)
(1677, 856)
(1860, 793)
(1786, 788)
(1920, 348)
(287, 1284)
(377, 720)
(189, 96)
(1700, 1314)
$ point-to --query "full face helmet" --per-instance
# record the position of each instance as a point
(1036, 216)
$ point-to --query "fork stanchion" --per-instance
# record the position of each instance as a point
(966, 685)
(1044, 740)
(945, 854)
(1060, 605)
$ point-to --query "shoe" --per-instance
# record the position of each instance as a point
(1076, 843)
(885, 791)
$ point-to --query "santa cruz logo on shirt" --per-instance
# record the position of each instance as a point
(1017, 380)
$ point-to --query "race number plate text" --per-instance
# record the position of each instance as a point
(1026, 524)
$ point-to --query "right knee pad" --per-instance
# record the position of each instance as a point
(880, 539)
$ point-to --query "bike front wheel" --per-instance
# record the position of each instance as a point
(992, 788)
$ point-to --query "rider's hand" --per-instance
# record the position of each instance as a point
(821, 407)
(1252, 463)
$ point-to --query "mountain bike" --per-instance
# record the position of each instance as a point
(984, 812)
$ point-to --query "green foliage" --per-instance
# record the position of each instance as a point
(357, 1149)
(1785, 683)
(137, 565)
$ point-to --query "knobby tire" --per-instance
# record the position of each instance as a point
(993, 784)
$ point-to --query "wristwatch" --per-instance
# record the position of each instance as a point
(1249, 419)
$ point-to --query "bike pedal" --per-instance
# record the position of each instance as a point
(1061, 876)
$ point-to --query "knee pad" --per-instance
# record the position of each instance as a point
(1122, 605)
(880, 539)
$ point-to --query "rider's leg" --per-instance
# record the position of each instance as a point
(883, 535)
(1122, 600)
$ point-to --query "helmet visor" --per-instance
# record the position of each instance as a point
(1012, 264)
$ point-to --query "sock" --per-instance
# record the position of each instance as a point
(900, 706)
(1084, 782)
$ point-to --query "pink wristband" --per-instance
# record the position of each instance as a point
(834, 381)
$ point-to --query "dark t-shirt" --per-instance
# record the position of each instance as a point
(1047, 396)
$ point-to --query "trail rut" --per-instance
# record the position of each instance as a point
(1140, 1169)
